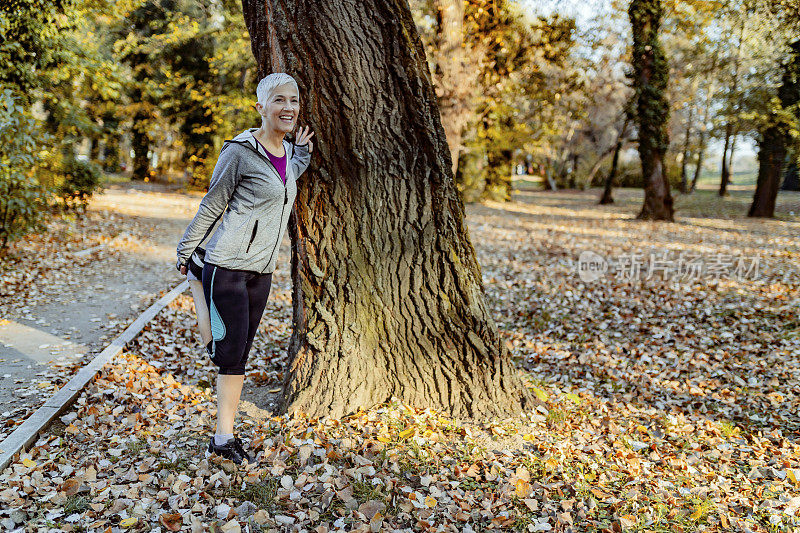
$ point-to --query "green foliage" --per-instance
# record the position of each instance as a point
(470, 175)
(81, 179)
(192, 83)
(28, 32)
(23, 200)
(519, 91)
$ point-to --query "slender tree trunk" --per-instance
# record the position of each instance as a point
(111, 149)
(94, 149)
(701, 152)
(685, 159)
(598, 164)
(573, 173)
(725, 176)
(498, 176)
(140, 141)
(732, 154)
(701, 148)
(771, 162)
(650, 76)
(607, 198)
(387, 293)
(791, 181)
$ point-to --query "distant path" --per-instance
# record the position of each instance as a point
(73, 308)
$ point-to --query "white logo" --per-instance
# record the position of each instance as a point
(591, 266)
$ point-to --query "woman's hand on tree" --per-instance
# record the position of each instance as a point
(304, 137)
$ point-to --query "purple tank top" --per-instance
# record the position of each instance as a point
(279, 162)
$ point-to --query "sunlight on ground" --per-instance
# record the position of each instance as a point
(667, 404)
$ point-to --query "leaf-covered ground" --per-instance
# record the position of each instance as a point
(79, 301)
(669, 404)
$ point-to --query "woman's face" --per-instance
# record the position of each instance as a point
(282, 108)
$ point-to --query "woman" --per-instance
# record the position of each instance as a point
(252, 189)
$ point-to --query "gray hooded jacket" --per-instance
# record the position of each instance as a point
(248, 193)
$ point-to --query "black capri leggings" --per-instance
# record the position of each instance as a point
(236, 300)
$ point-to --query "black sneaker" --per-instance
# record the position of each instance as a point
(239, 446)
(230, 450)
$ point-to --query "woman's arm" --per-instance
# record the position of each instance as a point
(224, 179)
(301, 157)
(301, 152)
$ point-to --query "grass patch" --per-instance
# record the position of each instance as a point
(556, 416)
(262, 494)
(136, 447)
(364, 491)
(181, 464)
(75, 504)
(728, 429)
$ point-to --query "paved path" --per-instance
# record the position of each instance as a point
(78, 312)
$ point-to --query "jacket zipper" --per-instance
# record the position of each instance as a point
(283, 207)
(285, 193)
(252, 237)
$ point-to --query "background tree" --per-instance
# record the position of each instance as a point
(780, 129)
(198, 82)
(741, 12)
(29, 33)
(389, 300)
(650, 74)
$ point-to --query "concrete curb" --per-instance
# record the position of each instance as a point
(88, 250)
(99, 247)
(25, 435)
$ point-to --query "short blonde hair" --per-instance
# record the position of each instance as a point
(268, 84)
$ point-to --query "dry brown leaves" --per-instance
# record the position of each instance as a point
(666, 408)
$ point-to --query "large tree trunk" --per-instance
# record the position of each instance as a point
(773, 145)
(771, 162)
(650, 75)
(388, 297)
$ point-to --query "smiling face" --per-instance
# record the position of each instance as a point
(281, 109)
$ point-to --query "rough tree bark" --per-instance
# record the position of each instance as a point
(387, 293)
(650, 74)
